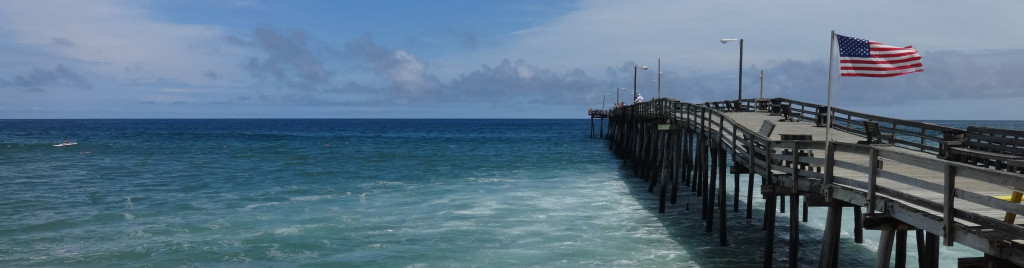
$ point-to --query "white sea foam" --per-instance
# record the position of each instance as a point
(309, 198)
(250, 207)
(291, 230)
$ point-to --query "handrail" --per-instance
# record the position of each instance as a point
(919, 136)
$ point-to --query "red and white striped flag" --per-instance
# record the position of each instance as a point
(860, 57)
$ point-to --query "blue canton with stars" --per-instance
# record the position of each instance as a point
(853, 47)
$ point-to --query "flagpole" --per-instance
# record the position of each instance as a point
(831, 61)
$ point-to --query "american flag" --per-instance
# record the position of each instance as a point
(860, 57)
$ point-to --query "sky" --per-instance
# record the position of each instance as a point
(490, 59)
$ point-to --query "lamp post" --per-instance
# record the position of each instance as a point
(741, 64)
(634, 79)
(603, 100)
(659, 78)
(762, 85)
(617, 90)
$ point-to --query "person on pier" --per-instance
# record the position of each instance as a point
(639, 99)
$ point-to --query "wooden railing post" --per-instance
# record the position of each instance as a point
(794, 224)
(736, 181)
(830, 162)
(872, 179)
(750, 178)
(947, 206)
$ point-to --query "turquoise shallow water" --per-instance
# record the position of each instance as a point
(349, 193)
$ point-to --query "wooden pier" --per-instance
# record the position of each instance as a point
(894, 173)
(599, 114)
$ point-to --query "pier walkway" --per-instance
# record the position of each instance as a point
(894, 174)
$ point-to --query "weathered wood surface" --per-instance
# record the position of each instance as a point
(907, 173)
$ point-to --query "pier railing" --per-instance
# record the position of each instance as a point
(914, 135)
(918, 190)
(919, 136)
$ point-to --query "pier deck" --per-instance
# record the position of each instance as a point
(753, 120)
(904, 183)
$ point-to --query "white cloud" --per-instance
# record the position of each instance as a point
(685, 34)
(120, 40)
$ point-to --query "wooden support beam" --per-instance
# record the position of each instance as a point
(794, 231)
(769, 231)
(884, 253)
(794, 223)
(677, 163)
(858, 225)
(901, 248)
(656, 160)
(591, 126)
(872, 179)
(830, 240)
(931, 257)
(713, 175)
(947, 208)
(782, 203)
(662, 175)
(805, 212)
(723, 239)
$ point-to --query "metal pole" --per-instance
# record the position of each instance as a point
(828, 102)
(603, 100)
(634, 82)
(740, 97)
(762, 85)
(659, 78)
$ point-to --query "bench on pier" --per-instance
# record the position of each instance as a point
(766, 131)
(761, 104)
(1002, 149)
(775, 108)
(735, 106)
(821, 116)
(873, 133)
(788, 114)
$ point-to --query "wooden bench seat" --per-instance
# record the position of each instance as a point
(991, 147)
(874, 135)
(788, 114)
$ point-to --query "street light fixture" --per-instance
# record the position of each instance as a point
(634, 79)
(740, 97)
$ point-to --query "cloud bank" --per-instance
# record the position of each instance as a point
(134, 56)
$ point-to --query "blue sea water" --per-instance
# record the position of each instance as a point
(355, 193)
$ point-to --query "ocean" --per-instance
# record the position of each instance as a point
(358, 193)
